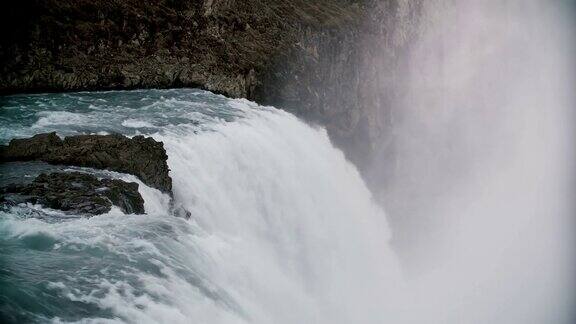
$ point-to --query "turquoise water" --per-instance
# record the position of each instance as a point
(271, 201)
(126, 112)
(49, 269)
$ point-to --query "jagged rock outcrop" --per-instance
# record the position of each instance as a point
(76, 193)
(140, 156)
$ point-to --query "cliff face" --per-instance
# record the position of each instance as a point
(219, 45)
(314, 58)
(347, 78)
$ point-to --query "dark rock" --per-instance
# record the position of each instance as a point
(33, 148)
(140, 156)
(76, 193)
(219, 45)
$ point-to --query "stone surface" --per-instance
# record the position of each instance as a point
(328, 61)
(140, 156)
(76, 193)
(220, 45)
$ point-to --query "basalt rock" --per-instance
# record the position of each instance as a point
(141, 156)
(76, 193)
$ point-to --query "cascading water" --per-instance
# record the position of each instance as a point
(282, 230)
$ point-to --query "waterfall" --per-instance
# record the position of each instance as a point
(282, 228)
(289, 230)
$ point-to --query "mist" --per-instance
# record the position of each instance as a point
(477, 175)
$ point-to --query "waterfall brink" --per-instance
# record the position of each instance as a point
(289, 230)
(282, 227)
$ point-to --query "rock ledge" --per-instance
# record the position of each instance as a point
(77, 193)
(141, 156)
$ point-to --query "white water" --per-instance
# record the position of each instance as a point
(282, 227)
(284, 231)
(289, 230)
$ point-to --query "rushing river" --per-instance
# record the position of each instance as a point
(282, 228)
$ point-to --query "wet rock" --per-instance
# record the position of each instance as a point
(140, 156)
(76, 193)
(32, 148)
(180, 211)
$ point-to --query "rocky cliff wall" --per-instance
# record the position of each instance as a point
(347, 78)
(220, 45)
(321, 59)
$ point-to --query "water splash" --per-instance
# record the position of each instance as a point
(283, 230)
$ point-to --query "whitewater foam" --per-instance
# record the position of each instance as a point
(288, 238)
(136, 123)
(282, 228)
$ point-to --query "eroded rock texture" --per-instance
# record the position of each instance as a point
(76, 193)
(219, 45)
(140, 156)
